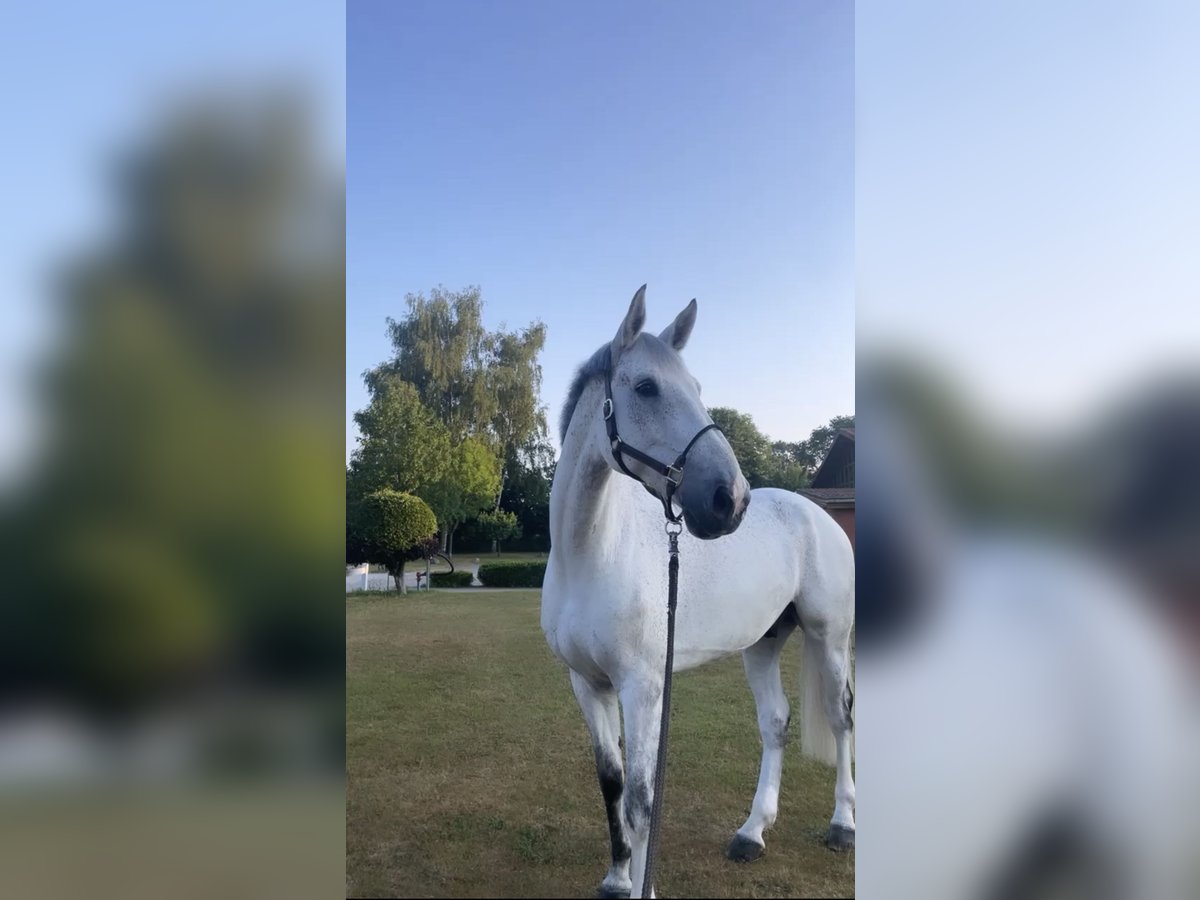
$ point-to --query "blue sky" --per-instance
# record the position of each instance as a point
(1028, 199)
(1017, 183)
(560, 155)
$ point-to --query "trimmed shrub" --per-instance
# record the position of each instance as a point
(513, 574)
(498, 525)
(457, 578)
(388, 527)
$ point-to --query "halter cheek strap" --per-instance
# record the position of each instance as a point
(672, 472)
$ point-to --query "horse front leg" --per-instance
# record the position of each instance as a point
(641, 702)
(603, 716)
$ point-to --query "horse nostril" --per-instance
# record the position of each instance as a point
(723, 503)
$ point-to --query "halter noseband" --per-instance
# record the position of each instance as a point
(673, 472)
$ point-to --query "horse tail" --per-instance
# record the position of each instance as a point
(816, 735)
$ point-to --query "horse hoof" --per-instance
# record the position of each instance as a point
(742, 849)
(840, 838)
(613, 892)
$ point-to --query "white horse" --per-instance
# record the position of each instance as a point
(1033, 727)
(604, 602)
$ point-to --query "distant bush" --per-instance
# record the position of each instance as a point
(513, 574)
(457, 578)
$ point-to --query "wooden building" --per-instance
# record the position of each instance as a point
(832, 487)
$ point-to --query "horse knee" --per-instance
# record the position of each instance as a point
(773, 726)
(612, 778)
(839, 708)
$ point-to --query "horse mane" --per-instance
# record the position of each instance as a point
(594, 367)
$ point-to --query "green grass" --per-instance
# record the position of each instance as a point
(470, 773)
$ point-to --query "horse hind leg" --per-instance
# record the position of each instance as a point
(761, 662)
(829, 653)
(603, 716)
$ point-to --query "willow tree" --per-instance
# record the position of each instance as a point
(515, 378)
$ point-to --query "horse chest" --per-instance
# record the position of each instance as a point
(601, 631)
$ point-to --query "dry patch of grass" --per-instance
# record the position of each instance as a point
(470, 770)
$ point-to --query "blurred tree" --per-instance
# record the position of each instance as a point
(390, 527)
(498, 525)
(179, 518)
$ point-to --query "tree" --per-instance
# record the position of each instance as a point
(477, 383)
(389, 527)
(527, 493)
(167, 526)
(787, 468)
(468, 486)
(515, 378)
(751, 446)
(401, 444)
(821, 439)
(784, 464)
(441, 349)
(498, 525)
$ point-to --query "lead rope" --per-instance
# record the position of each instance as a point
(660, 764)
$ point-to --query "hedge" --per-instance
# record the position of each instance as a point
(513, 574)
(457, 578)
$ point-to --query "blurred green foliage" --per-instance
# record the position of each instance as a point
(186, 507)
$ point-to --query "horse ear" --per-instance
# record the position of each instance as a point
(634, 320)
(677, 333)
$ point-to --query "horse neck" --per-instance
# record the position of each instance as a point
(585, 494)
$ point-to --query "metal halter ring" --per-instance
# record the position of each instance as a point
(673, 528)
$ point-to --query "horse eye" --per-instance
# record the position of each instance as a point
(647, 388)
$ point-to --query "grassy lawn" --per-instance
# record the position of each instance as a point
(470, 770)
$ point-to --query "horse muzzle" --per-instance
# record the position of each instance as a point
(721, 513)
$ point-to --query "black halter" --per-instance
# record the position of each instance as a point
(672, 472)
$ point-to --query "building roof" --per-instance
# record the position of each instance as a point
(840, 496)
(837, 468)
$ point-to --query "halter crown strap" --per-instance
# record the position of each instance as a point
(673, 472)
